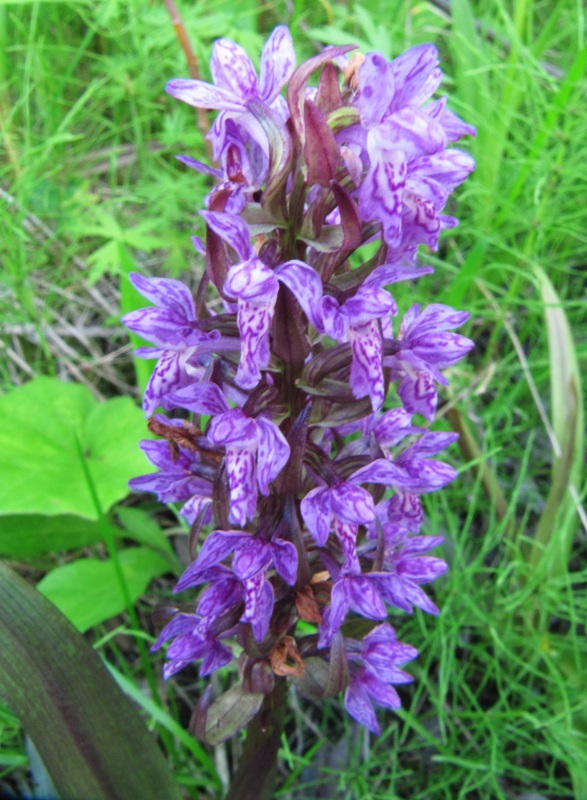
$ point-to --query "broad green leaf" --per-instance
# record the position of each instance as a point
(89, 736)
(27, 535)
(49, 426)
(164, 718)
(88, 591)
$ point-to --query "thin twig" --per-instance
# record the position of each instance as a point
(193, 66)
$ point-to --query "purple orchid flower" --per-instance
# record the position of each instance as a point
(236, 85)
(252, 558)
(360, 320)
(236, 179)
(341, 508)
(426, 349)
(291, 445)
(396, 515)
(256, 450)
(397, 137)
(404, 569)
(254, 286)
(182, 349)
(193, 640)
(182, 478)
(381, 655)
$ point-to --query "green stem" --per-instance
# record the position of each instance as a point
(256, 773)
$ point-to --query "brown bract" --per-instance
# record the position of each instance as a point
(189, 437)
(286, 650)
(351, 70)
(307, 605)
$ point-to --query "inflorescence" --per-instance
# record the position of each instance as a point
(291, 432)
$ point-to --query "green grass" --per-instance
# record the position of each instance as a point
(90, 189)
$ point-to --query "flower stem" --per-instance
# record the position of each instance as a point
(256, 773)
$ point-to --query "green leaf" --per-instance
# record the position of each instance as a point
(104, 259)
(556, 527)
(165, 720)
(49, 426)
(140, 526)
(88, 735)
(27, 535)
(227, 715)
(68, 586)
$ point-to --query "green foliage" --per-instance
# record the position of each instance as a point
(88, 591)
(52, 430)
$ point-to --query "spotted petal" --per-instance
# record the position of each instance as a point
(366, 376)
(376, 88)
(272, 454)
(166, 293)
(232, 229)
(415, 75)
(240, 467)
(380, 196)
(232, 69)
(204, 95)
(278, 62)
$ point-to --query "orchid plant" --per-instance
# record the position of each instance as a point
(288, 430)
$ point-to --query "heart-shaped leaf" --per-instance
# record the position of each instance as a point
(68, 586)
(48, 428)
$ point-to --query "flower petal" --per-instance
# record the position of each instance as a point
(165, 378)
(305, 283)
(415, 75)
(317, 513)
(376, 88)
(364, 599)
(272, 453)
(217, 546)
(285, 560)
(278, 61)
(366, 378)
(203, 95)
(232, 70)
(232, 229)
(240, 467)
(418, 394)
(381, 193)
(358, 705)
(201, 398)
(393, 426)
(351, 503)
(233, 429)
(166, 293)
(251, 557)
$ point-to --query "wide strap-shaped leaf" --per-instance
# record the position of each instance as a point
(92, 741)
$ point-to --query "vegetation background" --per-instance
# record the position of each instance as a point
(90, 190)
